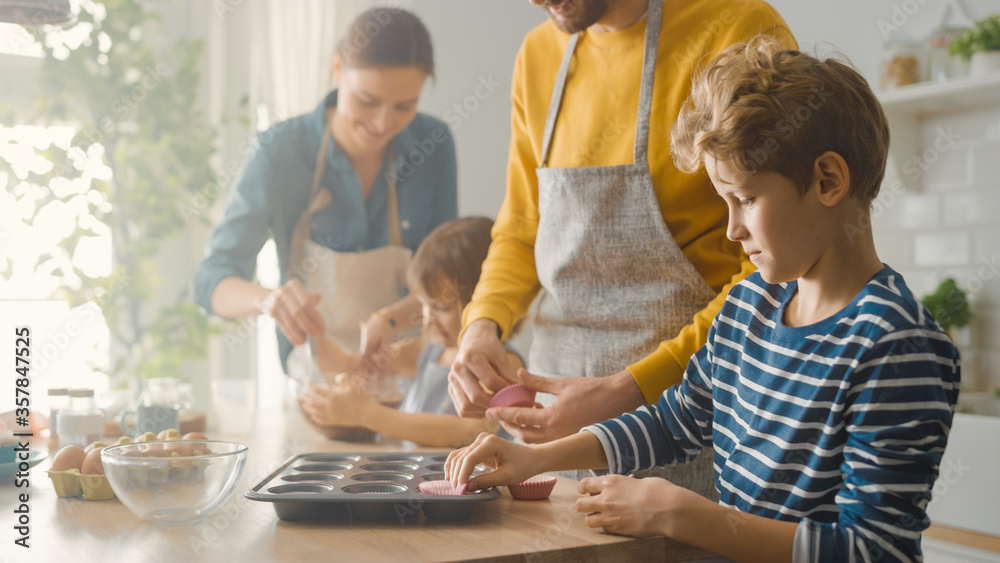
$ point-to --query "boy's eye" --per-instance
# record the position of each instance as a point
(746, 202)
(407, 107)
(368, 104)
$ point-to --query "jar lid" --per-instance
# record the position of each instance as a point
(58, 392)
(81, 392)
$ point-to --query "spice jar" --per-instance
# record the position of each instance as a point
(901, 64)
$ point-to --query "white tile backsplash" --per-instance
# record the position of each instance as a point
(949, 226)
(978, 206)
(918, 211)
(937, 170)
(986, 164)
(941, 249)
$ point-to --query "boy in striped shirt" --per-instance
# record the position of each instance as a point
(825, 388)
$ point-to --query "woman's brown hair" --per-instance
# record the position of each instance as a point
(387, 37)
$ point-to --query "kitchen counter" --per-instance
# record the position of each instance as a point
(243, 530)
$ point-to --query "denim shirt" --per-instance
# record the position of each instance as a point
(274, 190)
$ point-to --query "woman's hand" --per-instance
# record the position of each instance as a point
(294, 309)
(630, 507)
(513, 463)
(343, 404)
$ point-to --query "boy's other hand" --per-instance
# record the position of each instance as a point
(513, 463)
(579, 402)
(480, 369)
(628, 507)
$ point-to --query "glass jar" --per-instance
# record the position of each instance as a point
(81, 422)
(941, 64)
(901, 64)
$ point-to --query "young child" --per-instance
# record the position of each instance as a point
(826, 390)
(443, 274)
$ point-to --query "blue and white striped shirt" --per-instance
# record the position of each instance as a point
(839, 425)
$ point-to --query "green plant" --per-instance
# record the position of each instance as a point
(135, 105)
(983, 36)
(949, 305)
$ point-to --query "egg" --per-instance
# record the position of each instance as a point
(92, 464)
(92, 446)
(69, 457)
(147, 437)
(123, 440)
(195, 436)
(168, 434)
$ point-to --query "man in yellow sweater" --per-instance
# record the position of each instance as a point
(631, 254)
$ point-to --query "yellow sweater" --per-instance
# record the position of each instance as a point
(596, 127)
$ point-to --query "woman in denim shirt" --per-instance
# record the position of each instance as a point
(342, 239)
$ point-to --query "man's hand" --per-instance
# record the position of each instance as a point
(481, 368)
(294, 309)
(579, 402)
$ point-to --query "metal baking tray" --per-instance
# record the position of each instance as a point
(364, 487)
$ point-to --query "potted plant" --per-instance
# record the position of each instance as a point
(980, 45)
(949, 305)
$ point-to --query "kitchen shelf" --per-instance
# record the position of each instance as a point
(905, 107)
(931, 98)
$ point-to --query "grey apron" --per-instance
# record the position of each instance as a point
(615, 283)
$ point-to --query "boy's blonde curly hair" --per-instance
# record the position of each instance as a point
(764, 107)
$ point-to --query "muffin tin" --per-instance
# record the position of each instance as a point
(364, 487)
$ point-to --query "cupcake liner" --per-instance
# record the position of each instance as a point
(96, 487)
(441, 487)
(66, 483)
(538, 487)
(516, 395)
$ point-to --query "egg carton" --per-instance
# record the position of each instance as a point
(364, 487)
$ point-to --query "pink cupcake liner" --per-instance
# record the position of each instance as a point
(441, 487)
(516, 395)
(538, 487)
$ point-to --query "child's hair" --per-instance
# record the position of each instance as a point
(447, 264)
(763, 107)
(387, 37)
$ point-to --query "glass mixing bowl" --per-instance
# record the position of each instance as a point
(174, 481)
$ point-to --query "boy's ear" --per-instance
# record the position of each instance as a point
(832, 178)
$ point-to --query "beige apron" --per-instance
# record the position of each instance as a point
(615, 283)
(353, 284)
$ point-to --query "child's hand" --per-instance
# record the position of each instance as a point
(513, 463)
(631, 507)
(344, 404)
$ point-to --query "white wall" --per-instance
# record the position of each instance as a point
(475, 42)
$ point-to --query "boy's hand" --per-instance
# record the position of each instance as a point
(630, 507)
(343, 404)
(513, 463)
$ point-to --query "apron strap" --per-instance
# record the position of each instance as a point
(395, 235)
(654, 13)
(556, 101)
(319, 199)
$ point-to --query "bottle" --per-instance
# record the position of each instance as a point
(82, 422)
(58, 400)
(901, 63)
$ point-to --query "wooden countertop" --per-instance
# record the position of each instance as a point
(243, 530)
